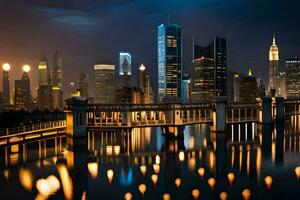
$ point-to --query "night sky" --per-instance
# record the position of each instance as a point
(89, 31)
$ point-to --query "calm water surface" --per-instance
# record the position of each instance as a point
(143, 163)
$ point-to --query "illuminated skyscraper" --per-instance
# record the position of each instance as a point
(202, 80)
(273, 67)
(44, 89)
(6, 82)
(125, 69)
(248, 88)
(169, 51)
(104, 83)
(56, 82)
(292, 70)
(23, 98)
(217, 50)
(145, 84)
(83, 85)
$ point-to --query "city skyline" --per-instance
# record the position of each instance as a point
(64, 19)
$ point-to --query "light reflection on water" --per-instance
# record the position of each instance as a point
(249, 159)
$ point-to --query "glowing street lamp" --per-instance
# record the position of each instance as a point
(26, 68)
(6, 67)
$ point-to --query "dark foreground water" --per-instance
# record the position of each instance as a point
(143, 164)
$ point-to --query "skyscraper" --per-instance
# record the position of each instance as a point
(273, 67)
(23, 98)
(56, 82)
(44, 89)
(233, 87)
(292, 70)
(145, 84)
(281, 81)
(104, 83)
(216, 50)
(83, 85)
(169, 51)
(248, 88)
(6, 82)
(125, 69)
(202, 80)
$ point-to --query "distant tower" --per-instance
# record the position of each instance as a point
(23, 98)
(6, 88)
(57, 93)
(44, 88)
(104, 83)
(145, 85)
(169, 52)
(125, 69)
(83, 85)
(273, 67)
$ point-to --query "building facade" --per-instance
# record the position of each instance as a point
(44, 93)
(169, 51)
(273, 68)
(233, 87)
(292, 70)
(23, 99)
(83, 85)
(248, 88)
(104, 83)
(202, 80)
(56, 83)
(5, 84)
(217, 51)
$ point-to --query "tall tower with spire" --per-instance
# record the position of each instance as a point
(273, 67)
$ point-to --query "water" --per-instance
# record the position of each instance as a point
(115, 162)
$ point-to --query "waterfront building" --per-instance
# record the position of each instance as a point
(169, 51)
(261, 89)
(104, 83)
(273, 68)
(83, 85)
(202, 80)
(217, 51)
(145, 84)
(23, 99)
(292, 70)
(125, 69)
(56, 83)
(5, 84)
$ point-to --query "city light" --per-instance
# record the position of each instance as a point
(211, 183)
(177, 182)
(26, 68)
(223, 195)
(201, 172)
(154, 179)
(196, 193)
(143, 169)
(110, 175)
(166, 196)
(142, 188)
(26, 178)
(268, 182)
(230, 177)
(128, 196)
(6, 67)
(93, 169)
